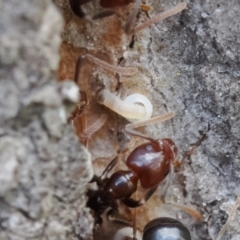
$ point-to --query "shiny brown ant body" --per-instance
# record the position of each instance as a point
(148, 164)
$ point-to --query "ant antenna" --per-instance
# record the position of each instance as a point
(129, 27)
(130, 127)
(230, 218)
(168, 13)
(128, 71)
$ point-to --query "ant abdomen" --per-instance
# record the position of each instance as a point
(165, 228)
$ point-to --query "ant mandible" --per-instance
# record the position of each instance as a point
(112, 5)
(158, 229)
(149, 163)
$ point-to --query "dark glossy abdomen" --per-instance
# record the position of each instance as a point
(166, 229)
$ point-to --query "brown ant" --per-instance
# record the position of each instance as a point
(148, 164)
(159, 229)
(112, 5)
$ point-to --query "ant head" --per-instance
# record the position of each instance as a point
(170, 147)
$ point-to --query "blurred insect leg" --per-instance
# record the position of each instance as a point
(103, 14)
(132, 203)
(130, 127)
(191, 211)
(167, 184)
(168, 13)
(126, 71)
(109, 167)
(129, 26)
(76, 7)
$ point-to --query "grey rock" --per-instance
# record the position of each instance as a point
(43, 168)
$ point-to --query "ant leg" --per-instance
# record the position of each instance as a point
(83, 103)
(168, 13)
(98, 181)
(230, 218)
(128, 71)
(109, 168)
(129, 26)
(113, 215)
(167, 184)
(130, 127)
(88, 132)
(80, 124)
(132, 203)
(190, 152)
(79, 120)
(76, 7)
(103, 14)
(135, 221)
(193, 212)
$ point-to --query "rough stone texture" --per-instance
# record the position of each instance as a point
(43, 168)
(189, 64)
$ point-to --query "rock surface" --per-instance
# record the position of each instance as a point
(43, 168)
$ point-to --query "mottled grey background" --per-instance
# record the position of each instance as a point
(43, 169)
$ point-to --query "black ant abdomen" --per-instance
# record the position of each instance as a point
(149, 163)
(165, 229)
